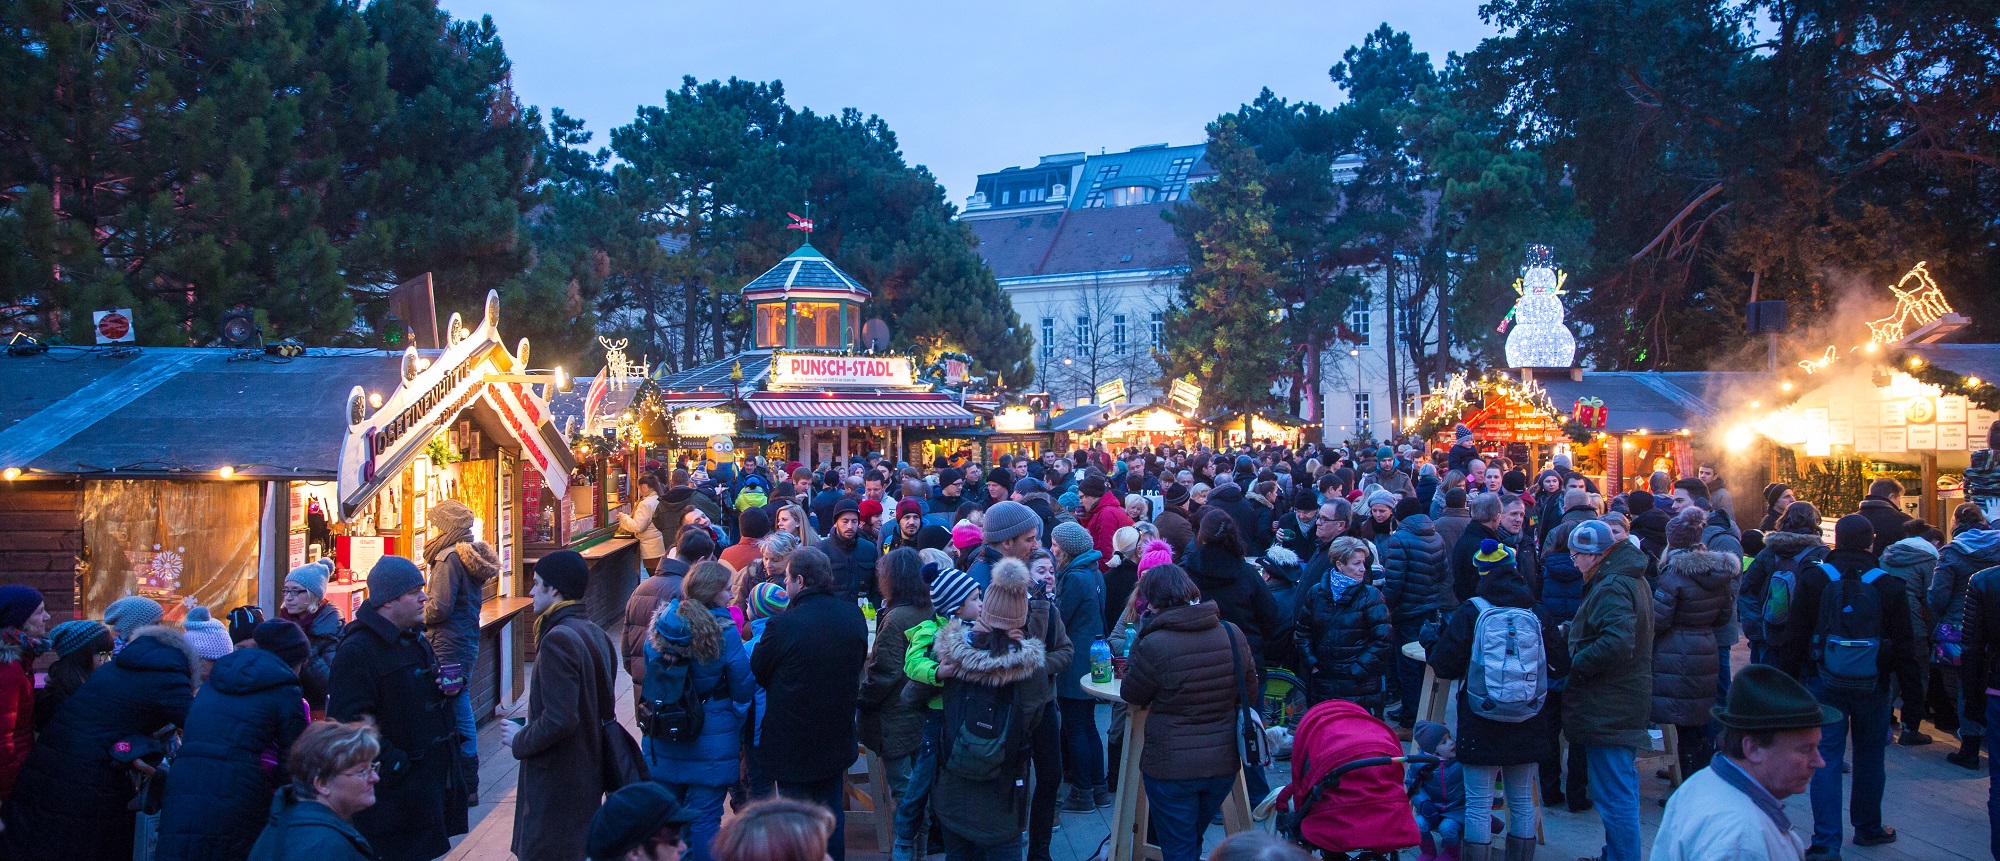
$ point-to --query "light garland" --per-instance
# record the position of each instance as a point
(1923, 304)
(1444, 407)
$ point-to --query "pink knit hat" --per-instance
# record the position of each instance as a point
(1157, 553)
(965, 535)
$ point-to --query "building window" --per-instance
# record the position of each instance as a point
(1362, 409)
(1118, 334)
(816, 324)
(1176, 180)
(1358, 315)
(1083, 336)
(770, 324)
(1096, 196)
(1048, 338)
(1159, 327)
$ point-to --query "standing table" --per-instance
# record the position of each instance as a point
(1128, 821)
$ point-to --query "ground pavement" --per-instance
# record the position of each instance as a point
(1938, 809)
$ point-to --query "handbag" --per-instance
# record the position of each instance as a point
(619, 758)
(1948, 644)
(1251, 742)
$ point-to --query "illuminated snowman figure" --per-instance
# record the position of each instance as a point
(1539, 338)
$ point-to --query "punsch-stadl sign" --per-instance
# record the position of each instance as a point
(811, 370)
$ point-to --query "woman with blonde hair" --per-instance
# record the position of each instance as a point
(694, 648)
(772, 550)
(776, 829)
(333, 777)
(791, 518)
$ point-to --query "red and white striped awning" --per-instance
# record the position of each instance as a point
(825, 412)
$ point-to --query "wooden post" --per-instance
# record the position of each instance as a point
(1927, 499)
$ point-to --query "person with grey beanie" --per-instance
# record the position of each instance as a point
(1011, 531)
(303, 603)
(128, 614)
(1607, 700)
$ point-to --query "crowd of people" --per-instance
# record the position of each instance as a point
(945, 617)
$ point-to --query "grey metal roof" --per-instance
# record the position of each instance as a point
(714, 376)
(183, 409)
(805, 268)
(1652, 400)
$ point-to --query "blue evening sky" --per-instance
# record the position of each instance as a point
(967, 87)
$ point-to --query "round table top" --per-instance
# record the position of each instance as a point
(1415, 651)
(1110, 691)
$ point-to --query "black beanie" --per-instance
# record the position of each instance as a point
(753, 523)
(284, 639)
(1853, 532)
(933, 537)
(566, 572)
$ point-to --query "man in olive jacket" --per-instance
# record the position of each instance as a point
(1608, 697)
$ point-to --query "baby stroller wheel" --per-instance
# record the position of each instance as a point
(1284, 698)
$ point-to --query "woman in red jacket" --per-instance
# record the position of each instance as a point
(24, 619)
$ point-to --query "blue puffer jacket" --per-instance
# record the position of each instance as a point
(1562, 586)
(219, 797)
(726, 690)
(1415, 581)
(1080, 599)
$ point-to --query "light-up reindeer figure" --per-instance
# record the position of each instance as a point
(1922, 304)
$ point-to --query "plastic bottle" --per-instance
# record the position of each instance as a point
(1100, 661)
(1131, 633)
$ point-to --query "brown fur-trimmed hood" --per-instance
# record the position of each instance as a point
(480, 561)
(1788, 544)
(953, 648)
(1708, 569)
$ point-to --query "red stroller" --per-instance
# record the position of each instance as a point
(1346, 798)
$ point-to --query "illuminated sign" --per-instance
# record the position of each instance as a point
(705, 422)
(1111, 392)
(823, 370)
(1014, 419)
(1186, 394)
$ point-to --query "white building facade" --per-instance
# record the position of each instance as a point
(1078, 244)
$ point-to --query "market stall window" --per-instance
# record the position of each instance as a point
(771, 324)
(170, 540)
(818, 324)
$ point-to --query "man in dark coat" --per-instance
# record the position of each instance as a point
(1295, 528)
(828, 496)
(1228, 498)
(220, 797)
(1865, 714)
(69, 803)
(852, 555)
(385, 670)
(809, 664)
(1649, 522)
(1417, 586)
(1175, 526)
(561, 747)
(1883, 507)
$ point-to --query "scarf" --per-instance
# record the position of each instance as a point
(30, 647)
(542, 624)
(1337, 583)
(1734, 775)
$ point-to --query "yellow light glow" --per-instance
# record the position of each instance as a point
(1644, 432)
(1916, 362)
(13, 472)
(375, 399)
(1785, 386)
(1756, 404)
(226, 472)
(1739, 438)
(1870, 348)
(1972, 381)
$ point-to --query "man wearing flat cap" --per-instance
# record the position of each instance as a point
(1769, 751)
(641, 822)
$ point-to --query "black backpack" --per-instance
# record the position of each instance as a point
(984, 744)
(672, 717)
(1847, 641)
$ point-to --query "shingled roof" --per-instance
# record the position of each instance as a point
(1107, 239)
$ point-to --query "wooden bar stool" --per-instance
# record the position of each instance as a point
(868, 804)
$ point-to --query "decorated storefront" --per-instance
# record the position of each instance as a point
(1118, 426)
(818, 386)
(206, 474)
(1227, 432)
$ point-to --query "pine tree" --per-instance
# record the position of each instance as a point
(1221, 327)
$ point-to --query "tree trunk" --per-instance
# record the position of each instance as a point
(690, 322)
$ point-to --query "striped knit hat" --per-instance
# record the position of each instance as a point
(75, 635)
(1492, 554)
(950, 588)
(767, 600)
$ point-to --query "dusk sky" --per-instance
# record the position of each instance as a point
(968, 88)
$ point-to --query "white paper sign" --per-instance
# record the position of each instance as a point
(1868, 440)
(363, 552)
(1839, 407)
(1816, 422)
(1951, 437)
(1895, 440)
(1923, 437)
(1840, 431)
(1951, 409)
(1892, 413)
(1976, 423)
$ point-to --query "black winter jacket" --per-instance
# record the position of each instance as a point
(1240, 593)
(809, 664)
(1691, 598)
(1799, 549)
(1348, 642)
(1896, 659)
(391, 675)
(1229, 499)
(218, 793)
(69, 803)
(1887, 519)
(1981, 664)
(1489, 742)
(1464, 573)
(323, 632)
(1416, 581)
(853, 567)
